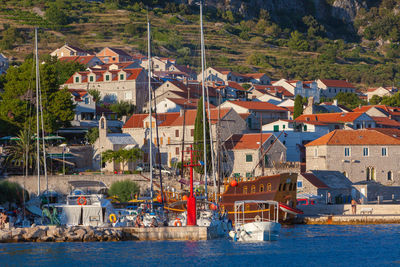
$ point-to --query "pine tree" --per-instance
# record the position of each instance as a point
(198, 146)
(298, 106)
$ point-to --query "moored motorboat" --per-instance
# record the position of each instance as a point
(264, 226)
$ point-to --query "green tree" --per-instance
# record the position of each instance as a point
(298, 106)
(56, 16)
(350, 100)
(92, 135)
(122, 156)
(23, 152)
(375, 100)
(95, 94)
(198, 138)
(122, 108)
(125, 190)
(297, 42)
(12, 192)
(19, 100)
(10, 37)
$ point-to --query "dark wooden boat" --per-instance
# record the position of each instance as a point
(280, 187)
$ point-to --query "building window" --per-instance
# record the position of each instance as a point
(390, 176)
(276, 128)
(365, 152)
(261, 188)
(269, 187)
(249, 158)
(384, 151)
(107, 77)
(91, 78)
(284, 187)
(161, 140)
(169, 140)
(253, 189)
(191, 132)
(176, 133)
(305, 128)
(370, 172)
(280, 187)
(245, 190)
(347, 151)
(177, 150)
(87, 100)
(77, 79)
(248, 174)
(299, 184)
(247, 207)
(121, 76)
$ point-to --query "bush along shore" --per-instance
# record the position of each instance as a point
(63, 234)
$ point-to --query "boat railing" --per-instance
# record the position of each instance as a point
(267, 211)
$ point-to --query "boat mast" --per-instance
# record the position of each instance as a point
(204, 99)
(37, 113)
(43, 142)
(150, 113)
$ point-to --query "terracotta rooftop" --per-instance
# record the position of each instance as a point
(236, 86)
(246, 141)
(330, 117)
(385, 121)
(80, 59)
(337, 83)
(191, 103)
(132, 74)
(355, 137)
(254, 75)
(257, 105)
(190, 116)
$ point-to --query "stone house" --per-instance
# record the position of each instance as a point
(111, 141)
(159, 64)
(221, 75)
(330, 88)
(232, 91)
(69, 51)
(288, 85)
(380, 91)
(308, 89)
(114, 85)
(176, 127)
(257, 78)
(4, 63)
(392, 113)
(349, 120)
(177, 104)
(88, 61)
(263, 111)
(361, 155)
(243, 156)
(113, 55)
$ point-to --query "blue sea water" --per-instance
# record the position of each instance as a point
(300, 245)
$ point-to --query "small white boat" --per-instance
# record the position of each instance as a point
(260, 224)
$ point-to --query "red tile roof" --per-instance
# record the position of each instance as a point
(246, 141)
(337, 83)
(330, 117)
(314, 180)
(254, 75)
(190, 116)
(257, 105)
(385, 121)
(355, 137)
(389, 131)
(190, 104)
(236, 86)
(135, 121)
(132, 74)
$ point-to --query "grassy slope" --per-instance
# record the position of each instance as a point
(106, 29)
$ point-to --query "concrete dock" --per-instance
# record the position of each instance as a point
(194, 233)
(351, 219)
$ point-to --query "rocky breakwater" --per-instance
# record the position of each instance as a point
(63, 234)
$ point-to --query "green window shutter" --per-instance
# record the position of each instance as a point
(248, 174)
(276, 128)
(236, 175)
(249, 158)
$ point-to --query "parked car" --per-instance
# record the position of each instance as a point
(164, 169)
(143, 167)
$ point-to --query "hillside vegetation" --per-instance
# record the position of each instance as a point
(307, 44)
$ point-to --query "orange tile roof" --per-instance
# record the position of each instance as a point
(244, 115)
(190, 116)
(191, 103)
(385, 121)
(257, 105)
(355, 137)
(330, 117)
(132, 74)
(254, 75)
(246, 141)
(389, 131)
(366, 108)
(135, 121)
(236, 86)
(337, 83)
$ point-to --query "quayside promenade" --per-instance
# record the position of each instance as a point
(93, 234)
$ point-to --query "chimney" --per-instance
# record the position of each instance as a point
(390, 116)
(335, 102)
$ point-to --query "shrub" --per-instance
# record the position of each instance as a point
(12, 192)
(125, 190)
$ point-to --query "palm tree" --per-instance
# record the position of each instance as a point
(23, 152)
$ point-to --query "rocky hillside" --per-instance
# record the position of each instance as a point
(303, 39)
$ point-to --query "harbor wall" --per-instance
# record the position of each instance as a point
(345, 209)
(59, 183)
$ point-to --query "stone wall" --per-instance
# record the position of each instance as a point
(59, 183)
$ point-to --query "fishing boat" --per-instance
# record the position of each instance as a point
(281, 188)
(258, 224)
